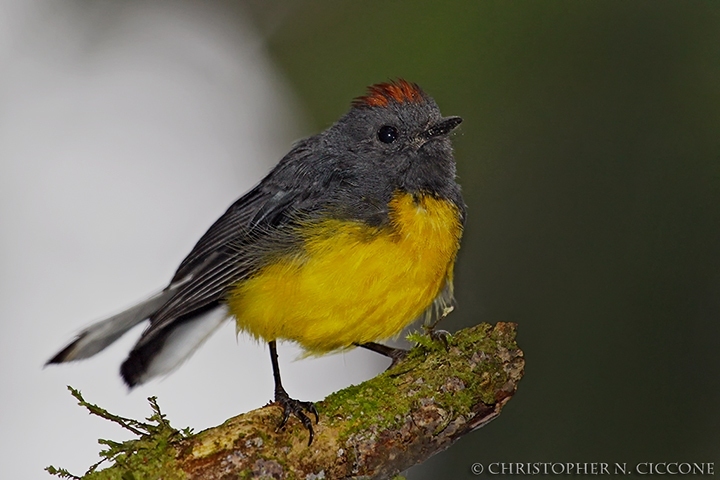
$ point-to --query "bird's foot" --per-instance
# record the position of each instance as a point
(297, 408)
(441, 336)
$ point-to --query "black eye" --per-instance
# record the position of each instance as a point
(387, 134)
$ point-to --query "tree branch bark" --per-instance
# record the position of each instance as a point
(373, 430)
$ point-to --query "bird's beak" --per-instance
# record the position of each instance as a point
(443, 127)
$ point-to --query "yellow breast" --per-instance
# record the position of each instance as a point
(354, 283)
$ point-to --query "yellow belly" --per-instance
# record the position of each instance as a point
(353, 283)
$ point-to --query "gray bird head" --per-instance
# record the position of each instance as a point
(397, 135)
(392, 139)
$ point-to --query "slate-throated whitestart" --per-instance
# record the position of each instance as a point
(351, 237)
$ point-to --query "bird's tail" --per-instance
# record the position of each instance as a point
(100, 335)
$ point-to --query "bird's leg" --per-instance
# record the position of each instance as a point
(396, 354)
(290, 405)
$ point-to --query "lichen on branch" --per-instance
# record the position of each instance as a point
(377, 429)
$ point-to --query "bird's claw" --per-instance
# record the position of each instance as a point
(440, 336)
(297, 408)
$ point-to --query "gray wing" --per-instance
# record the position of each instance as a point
(260, 224)
(232, 250)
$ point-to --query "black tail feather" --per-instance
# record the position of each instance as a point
(184, 334)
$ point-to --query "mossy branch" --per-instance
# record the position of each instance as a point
(376, 429)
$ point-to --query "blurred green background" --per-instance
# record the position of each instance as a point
(590, 163)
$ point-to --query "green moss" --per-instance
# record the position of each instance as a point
(152, 455)
(471, 356)
(454, 376)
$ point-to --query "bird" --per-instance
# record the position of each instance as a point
(350, 238)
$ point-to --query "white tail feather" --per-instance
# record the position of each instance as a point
(182, 342)
(100, 335)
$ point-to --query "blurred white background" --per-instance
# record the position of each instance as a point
(126, 129)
